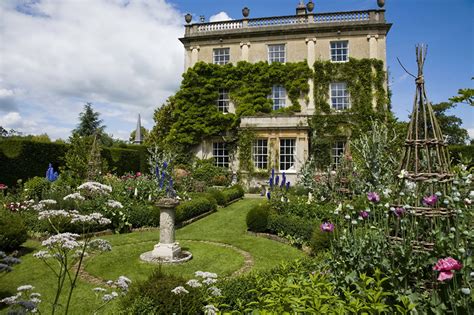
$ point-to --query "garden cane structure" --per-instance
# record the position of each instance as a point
(425, 167)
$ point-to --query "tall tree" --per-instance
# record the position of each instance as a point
(89, 122)
(464, 96)
(450, 125)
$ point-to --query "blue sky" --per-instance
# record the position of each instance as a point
(124, 55)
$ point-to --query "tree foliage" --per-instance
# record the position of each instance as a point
(89, 122)
(144, 133)
(450, 124)
(464, 96)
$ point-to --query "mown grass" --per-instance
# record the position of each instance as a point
(225, 226)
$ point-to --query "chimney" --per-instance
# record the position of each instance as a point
(301, 8)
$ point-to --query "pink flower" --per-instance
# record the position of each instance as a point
(430, 201)
(399, 211)
(373, 197)
(327, 227)
(3, 186)
(446, 267)
(364, 214)
(139, 174)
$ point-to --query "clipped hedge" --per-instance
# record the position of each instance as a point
(192, 208)
(257, 218)
(466, 151)
(232, 193)
(13, 231)
(291, 225)
(24, 159)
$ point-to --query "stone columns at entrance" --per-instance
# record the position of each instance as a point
(244, 51)
(167, 248)
(310, 43)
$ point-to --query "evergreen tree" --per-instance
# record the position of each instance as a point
(89, 123)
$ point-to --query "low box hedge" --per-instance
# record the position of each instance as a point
(291, 225)
(194, 207)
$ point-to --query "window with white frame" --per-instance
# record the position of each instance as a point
(260, 154)
(220, 154)
(340, 99)
(340, 51)
(337, 153)
(287, 154)
(276, 53)
(278, 97)
(223, 101)
(221, 56)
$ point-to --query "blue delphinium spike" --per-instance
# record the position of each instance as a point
(283, 180)
(171, 183)
(165, 165)
(270, 181)
(287, 185)
(157, 171)
(55, 176)
(273, 173)
(277, 180)
(268, 195)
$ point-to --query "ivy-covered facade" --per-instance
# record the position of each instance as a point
(272, 92)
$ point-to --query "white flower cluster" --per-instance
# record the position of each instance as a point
(74, 196)
(28, 305)
(65, 241)
(75, 217)
(109, 297)
(193, 283)
(205, 274)
(48, 202)
(50, 214)
(210, 310)
(215, 291)
(100, 244)
(123, 283)
(114, 204)
(42, 254)
(179, 290)
(95, 188)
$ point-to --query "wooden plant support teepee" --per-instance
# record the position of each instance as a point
(425, 164)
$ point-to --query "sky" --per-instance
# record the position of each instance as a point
(125, 58)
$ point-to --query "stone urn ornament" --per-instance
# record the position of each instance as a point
(381, 3)
(245, 12)
(188, 18)
(310, 6)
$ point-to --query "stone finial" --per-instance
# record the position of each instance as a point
(188, 18)
(245, 12)
(310, 6)
(301, 8)
(381, 3)
(202, 18)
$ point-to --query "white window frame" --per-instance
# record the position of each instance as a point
(278, 97)
(287, 161)
(338, 51)
(337, 153)
(275, 55)
(223, 101)
(221, 56)
(339, 96)
(260, 153)
(220, 152)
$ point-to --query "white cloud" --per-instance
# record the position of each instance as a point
(470, 131)
(221, 16)
(123, 56)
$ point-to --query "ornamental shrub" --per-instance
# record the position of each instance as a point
(13, 231)
(192, 208)
(206, 171)
(154, 296)
(291, 225)
(233, 193)
(143, 215)
(320, 241)
(218, 195)
(257, 218)
(35, 187)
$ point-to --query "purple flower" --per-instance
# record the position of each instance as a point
(399, 211)
(273, 173)
(430, 201)
(364, 214)
(277, 180)
(165, 165)
(268, 195)
(326, 227)
(270, 181)
(373, 197)
(287, 185)
(283, 180)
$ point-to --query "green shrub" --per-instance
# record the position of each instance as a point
(206, 171)
(192, 208)
(257, 218)
(233, 193)
(35, 187)
(218, 195)
(154, 296)
(291, 225)
(143, 215)
(13, 231)
(320, 240)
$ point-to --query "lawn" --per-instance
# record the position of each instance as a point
(226, 226)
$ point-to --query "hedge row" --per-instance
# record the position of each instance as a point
(225, 196)
(192, 208)
(24, 159)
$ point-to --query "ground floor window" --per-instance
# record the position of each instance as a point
(260, 154)
(221, 154)
(287, 154)
(337, 153)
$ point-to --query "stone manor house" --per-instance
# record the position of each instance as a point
(305, 36)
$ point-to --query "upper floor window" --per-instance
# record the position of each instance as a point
(287, 154)
(221, 56)
(260, 154)
(337, 153)
(340, 51)
(220, 154)
(339, 96)
(278, 97)
(276, 53)
(223, 101)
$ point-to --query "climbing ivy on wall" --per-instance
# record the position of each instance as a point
(365, 79)
(191, 115)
